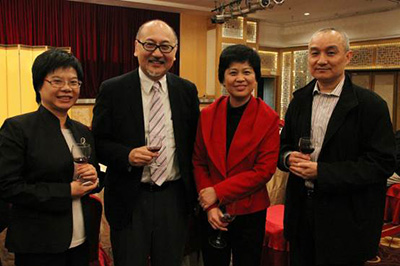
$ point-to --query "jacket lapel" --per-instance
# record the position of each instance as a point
(347, 101)
(248, 135)
(213, 120)
(175, 104)
(305, 109)
(134, 95)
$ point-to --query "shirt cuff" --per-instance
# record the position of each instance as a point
(212, 207)
(285, 159)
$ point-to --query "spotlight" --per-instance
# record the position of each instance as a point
(279, 2)
(218, 19)
(223, 12)
(265, 3)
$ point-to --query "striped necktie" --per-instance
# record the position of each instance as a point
(157, 128)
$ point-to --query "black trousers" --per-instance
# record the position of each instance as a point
(77, 256)
(245, 238)
(158, 230)
(302, 247)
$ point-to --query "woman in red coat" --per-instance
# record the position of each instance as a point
(235, 155)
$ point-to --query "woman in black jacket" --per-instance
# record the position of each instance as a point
(50, 215)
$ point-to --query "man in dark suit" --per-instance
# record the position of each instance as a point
(148, 194)
(335, 196)
(4, 212)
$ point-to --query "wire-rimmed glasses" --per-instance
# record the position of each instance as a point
(60, 83)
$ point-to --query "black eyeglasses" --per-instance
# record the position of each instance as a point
(151, 47)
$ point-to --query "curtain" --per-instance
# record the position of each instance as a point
(101, 37)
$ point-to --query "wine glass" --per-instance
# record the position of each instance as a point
(81, 153)
(228, 215)
(305, 145)
(154, 144)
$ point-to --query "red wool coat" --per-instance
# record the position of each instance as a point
(241, 176)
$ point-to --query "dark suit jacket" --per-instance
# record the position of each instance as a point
(4, 215)
(357, 157)
(241, 175)
(36, 171)
(118, 127)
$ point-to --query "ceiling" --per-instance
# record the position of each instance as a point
(290, 13)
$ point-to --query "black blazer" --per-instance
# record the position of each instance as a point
(36, 171)
(357, 157)
(4, 215)
(118, 127)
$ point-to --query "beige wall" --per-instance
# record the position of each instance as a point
(16, 89)
(193, 50)
(17, 95)
(381, 25)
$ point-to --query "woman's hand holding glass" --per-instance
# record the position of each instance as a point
(85, 173)
(87, 182)
(215, 216)
(219, 219)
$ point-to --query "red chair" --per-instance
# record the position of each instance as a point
(275, 250)
(392, 208)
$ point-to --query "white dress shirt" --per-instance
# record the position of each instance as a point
(172, 161)
(78, 225)
(322, 109)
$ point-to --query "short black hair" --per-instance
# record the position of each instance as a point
(48, 62)
(238, 53)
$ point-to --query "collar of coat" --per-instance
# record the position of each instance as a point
(252, 128)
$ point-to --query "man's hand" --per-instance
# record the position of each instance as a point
(301, 165)
(207, 197)
(214, 216)
(141, 156)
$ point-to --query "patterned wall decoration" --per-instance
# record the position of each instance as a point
(301, 74)
(251, 27)
(225, 44)
(269, 61)
(286, 82)
(363, 57)
(388, 56)
(233, 28)
(82, 113)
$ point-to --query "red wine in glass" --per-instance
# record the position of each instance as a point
(81, 160)
(80, 154)
(154, 144)
(305, 145)
(228, 218)
(218, 241)
(154, 148)
(307, 150)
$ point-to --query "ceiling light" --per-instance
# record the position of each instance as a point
(306, 14)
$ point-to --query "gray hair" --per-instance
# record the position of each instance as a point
(345, 38)
(159, 21)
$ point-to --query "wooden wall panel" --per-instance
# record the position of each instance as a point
(17, 95)
(13, 81)
(3, 85)
(193, 50)
(28, 102)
